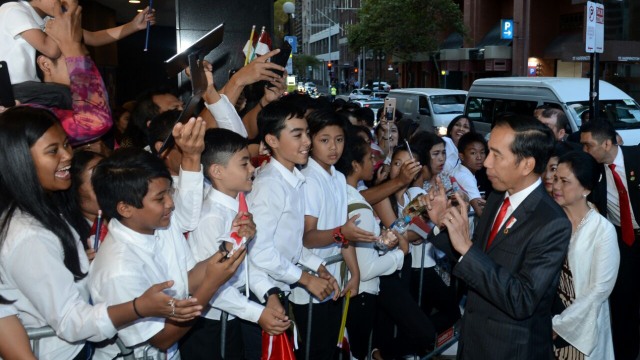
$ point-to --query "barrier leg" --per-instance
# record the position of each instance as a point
(223, 333)
(307, 342)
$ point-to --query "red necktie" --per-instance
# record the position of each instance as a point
(499, 219)
(625, 209)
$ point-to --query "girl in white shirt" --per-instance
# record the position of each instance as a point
(357, 164)
(43, 266)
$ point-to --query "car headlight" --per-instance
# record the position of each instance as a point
(441, 130)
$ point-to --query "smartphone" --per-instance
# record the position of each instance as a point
(282, 57)
(390, 109)
(6, 90)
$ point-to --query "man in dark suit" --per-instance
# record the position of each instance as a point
(617, 197)
(513, 264)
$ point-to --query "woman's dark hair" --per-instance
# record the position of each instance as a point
(423, 142)
(20, 128)
(322, 118)
(583, 166)
(355, 149)
(406, 129)
(455, 120)
(69, 201)
(125, 177)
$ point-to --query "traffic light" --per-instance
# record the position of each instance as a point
(329, 65)
(355, 70)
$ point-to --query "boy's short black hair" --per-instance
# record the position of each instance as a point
(125, 176)
(219, 146)
(161, 126)
(271, 119)
(470, 138)
(365, 114)
(322, 118)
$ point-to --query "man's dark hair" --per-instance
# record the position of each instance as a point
(137, 132)
(583, 166)
(125, 176)
(219, 146)
(271, 119)
(470, 138)
(161, 126)
(532, 139)
(600, 130)
(562, 122)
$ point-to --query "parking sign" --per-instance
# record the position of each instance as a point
(506, 29)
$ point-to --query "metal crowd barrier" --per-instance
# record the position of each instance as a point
(44, 332)
(128, 354)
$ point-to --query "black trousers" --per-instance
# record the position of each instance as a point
(436, 295)
(203, 341)
(360, 321)
(625, 302)
(325, 321)
(396, 306)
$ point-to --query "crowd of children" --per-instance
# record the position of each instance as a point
(200, 246)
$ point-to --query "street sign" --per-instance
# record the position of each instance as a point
(293, 41)
(594, 28)
(506, 29)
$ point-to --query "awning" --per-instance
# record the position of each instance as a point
(570, 47)
(492, 37)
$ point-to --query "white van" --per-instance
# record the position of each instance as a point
(489, 98)
(432, 109)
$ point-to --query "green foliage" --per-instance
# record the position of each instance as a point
(301, 61)
(280, 19)
(404, 27)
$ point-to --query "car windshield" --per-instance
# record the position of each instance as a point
(448, 104)
(623, 114)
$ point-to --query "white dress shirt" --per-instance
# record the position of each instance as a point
(326, 200)
(226, 116)
(128, 263)
(34, 275)
(613, 201)
(277, 204)
(515, 200)
(452, 155)
(371, 264)
(218, 212)
(416, 250)
(7, 310)
(16, 18)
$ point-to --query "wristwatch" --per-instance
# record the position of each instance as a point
(272, 291)
(338, 236)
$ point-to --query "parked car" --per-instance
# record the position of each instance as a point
(489, 98)
(379, 94)
(432, 109)
(373, 104)
(381, 86)
(360, 94)
(310, 87)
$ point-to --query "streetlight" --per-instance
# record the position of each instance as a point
(289, 8)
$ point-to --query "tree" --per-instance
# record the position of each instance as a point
(301, 62)
(404, 27)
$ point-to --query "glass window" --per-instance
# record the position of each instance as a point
(447, 104)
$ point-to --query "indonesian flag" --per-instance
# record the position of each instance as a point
(242, 207)
(257, 45)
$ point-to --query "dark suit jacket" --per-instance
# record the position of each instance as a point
(631, 155)
(512, 284)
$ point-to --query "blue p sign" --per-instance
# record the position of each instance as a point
(506, 29)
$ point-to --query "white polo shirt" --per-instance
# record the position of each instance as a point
(277, 204)
(128, 263)
(34, 275)
(16, 18)
(371, 264)
(326, 200)
(218, 212)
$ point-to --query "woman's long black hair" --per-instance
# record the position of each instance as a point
(20, 128)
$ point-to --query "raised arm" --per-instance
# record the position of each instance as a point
(108, 36)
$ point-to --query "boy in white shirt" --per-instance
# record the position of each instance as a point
(134, 189)
(226, 164)
(278, 205)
